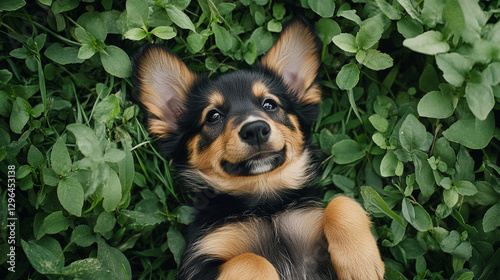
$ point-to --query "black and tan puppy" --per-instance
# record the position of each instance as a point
(240, 141)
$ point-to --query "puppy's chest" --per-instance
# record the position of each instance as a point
(292, 240)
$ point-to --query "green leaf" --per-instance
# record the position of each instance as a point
(471, 132)
(374, 59)
(324, 8)
(347, 151)
(35, 157)
(176, 244)
(422, 221)
(348, 76)
(111, 192)
(466, 188)
(94, 23)
(432, 13)
(60, 6)
(186, 214)
(86, 140)
(388, 10)
(274, 26)
(116, 62)
(413, 136)
(429, 79)
(195, 42)
(389, 164)
(137, 13)
(410, 9)
(370, 33)
(50, 177)
(371, 197)
(11, 5)
(437, 104)
(114, 155)
(451, 242)
(479, 96)
(86, 51)
(135, 34)
(450, 197)
(164, 32)
(463, 251)
(454, 66)
(107, 109)
(262, 39)
(491, 219)
(492, 73)
(114, 260)
(71, 196)
(179, 17)
(454, 18)
(327, 29)
(45, 255)
(223, 38)
(82, 236)
(143, 219)
(346, 42)
(279, 11)
(89, 268)
(379, 123)
(430, 42)
(59, 157)
(105, 223)
(5, 76)
(53, 223)
(469, 275)
(62, 55)
(408, 210)
(423, 174)
(20, 115)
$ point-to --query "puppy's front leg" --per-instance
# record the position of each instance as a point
(248, 266)
(352, 247)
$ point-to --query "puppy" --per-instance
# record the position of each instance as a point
(241, 144)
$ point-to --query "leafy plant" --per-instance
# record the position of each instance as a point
(407, 127)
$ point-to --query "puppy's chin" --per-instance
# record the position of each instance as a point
(257, 164)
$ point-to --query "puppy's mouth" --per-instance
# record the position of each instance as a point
(261, 162)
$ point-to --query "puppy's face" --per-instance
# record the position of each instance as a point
(244, 132)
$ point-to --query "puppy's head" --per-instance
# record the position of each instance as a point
(244, 132)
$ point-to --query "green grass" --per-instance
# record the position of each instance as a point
(407, 128)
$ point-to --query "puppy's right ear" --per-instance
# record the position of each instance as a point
(162, 81)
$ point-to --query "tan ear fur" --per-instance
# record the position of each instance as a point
(296, 58)
(162, 81)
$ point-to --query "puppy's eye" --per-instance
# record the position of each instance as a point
(213, 116)
(269, 105)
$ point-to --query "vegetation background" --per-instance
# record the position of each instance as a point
(407, 127)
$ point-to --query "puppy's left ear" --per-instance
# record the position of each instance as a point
(296, 57)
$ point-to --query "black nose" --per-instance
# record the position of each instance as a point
(255, 133)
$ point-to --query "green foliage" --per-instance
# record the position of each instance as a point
(407, 127)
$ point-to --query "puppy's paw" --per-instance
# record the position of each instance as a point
(353, 249)
(364, 265)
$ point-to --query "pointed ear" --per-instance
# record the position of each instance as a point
(162, 81)
(296, 57)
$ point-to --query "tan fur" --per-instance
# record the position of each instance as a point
(229, 147)
(353, 249)
(261, 91)
(296, 60)
(303, 225)
(248, 266)
(163, 79)
(230, 240)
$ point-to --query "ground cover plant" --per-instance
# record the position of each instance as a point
(407, 127)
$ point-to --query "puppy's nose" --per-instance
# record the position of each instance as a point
(255, 133)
